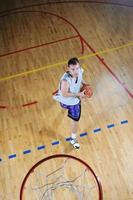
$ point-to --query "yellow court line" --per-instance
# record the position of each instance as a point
(31, 71)
(64, 62)
(106, 51)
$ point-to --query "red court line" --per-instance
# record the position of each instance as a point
(78, 35)
(55, 92)
(109, 69)
(65, 2)
(29, 104)
(3, 107)
(83, 41)
(44, 12)
(37, 46)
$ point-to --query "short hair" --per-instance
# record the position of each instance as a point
(73, 61)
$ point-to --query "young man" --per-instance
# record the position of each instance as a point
(69, 95)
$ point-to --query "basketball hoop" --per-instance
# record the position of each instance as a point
(61, 176)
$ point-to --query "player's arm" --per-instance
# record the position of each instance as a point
(83, 82)
(65, 90)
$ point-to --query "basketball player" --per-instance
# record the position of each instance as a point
(70, 97)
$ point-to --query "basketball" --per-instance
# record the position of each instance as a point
(88, 90)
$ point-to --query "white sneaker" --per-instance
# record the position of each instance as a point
(75, 143)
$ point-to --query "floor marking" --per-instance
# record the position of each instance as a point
(26, 151)
(38, 69)
(83, 134)
(124, 122)
(29, 104)
(97, 130)
(55, 143)
(41, 147)
(68, 139)
(110, 125)
(12, 156)
(3, 107)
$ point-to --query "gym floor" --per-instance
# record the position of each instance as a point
(37, 38)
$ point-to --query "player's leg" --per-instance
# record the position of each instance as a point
(74, 128)
(74, 113)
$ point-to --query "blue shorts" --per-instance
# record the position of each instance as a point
(74, 111)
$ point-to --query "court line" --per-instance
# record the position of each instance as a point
(109, 68)
(14, 107)
(110, 125)
(108, 50)
(12, 156)
(27, 151)
(46, 13)
(83, 41)
(3, 107)
(65, 2)
(83, 134)
(29, 104)
(64, 62)
(42, 147)
(68, 139)
(34, 47)
(55, 143)
(97, 130)
(124, 122)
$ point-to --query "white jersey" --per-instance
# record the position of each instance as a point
(74, 87)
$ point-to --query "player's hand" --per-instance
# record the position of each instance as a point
(82, 94)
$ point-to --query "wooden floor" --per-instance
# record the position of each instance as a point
(35, 43)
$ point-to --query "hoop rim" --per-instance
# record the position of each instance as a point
(57, 156)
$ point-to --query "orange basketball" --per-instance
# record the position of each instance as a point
(88, 90)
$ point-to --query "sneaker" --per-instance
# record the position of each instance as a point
(75, 143)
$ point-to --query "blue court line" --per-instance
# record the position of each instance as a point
(83, 134)
(12, 156)
(68, 139)
(41, 147)
(97, 130)
(110, 125)
(26, 151)
(124, 122)
(55, 143)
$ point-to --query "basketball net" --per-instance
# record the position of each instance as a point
(61, 178)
